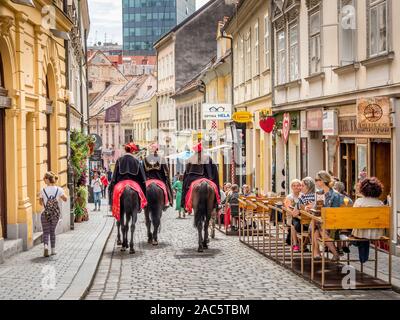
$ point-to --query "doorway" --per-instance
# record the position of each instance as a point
(381, 164)
(348, 166)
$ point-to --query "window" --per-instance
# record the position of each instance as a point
(236, 64)
(241, 62)
(281, 65)
(256, 65)
(347, 32)
(315, 42)
(293, 52)
(267, 48)
(378, 27)
(248, 56)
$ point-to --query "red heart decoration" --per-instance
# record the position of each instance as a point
(267, 124)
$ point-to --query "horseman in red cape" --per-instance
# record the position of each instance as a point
(199, 166)
(157, 171)
(127, 169)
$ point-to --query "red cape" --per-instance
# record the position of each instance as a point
(119, 189)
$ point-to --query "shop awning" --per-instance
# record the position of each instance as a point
(222, 146)
(181, 156)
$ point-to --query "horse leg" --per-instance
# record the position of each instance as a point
(200, 232)
(122, 222)
(119, 233)
(148, 225)
(156, 224)
(205, 241)
(133, 224)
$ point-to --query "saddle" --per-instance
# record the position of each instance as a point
(194, 184)
(119, 189)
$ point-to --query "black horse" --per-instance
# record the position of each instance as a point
(153, 211)
(203, 203)
(130, 206)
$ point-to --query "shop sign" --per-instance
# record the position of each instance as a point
(329, 123)
(294, 121)
(348, 127)
(373, 113)
(242, 117)
(314, 120)
(217, 111)
(286, 123)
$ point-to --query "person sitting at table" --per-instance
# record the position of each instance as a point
(246, 192)
(325, 184)
(233, 203)
(371, 189)
(289, 204)
(306, 202)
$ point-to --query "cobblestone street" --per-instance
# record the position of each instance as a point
(29, 275)
(174, 270)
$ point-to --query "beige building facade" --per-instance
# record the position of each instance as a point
(337, 74)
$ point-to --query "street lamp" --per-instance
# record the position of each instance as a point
(28, 3)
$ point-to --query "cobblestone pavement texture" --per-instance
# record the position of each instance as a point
(29, 275)
(174, 270)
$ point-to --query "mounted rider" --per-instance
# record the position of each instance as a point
(127, 169)
(156, 169)
(199, 166)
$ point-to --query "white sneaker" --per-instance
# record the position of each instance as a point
(46, 251)
(53, 251)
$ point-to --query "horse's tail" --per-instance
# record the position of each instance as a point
(202, 205)
(130, 200)
(155, 197)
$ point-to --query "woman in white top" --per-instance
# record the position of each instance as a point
(371, 189)
(49, 199)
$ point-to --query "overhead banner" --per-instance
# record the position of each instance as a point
(217, 111)
(113, 114)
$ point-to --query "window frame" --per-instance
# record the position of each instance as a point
(267, 45)
(372, 4)
(256, 64)
(317, 38)
(293, 25)
(281, 67)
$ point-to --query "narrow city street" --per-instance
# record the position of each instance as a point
(174, 270)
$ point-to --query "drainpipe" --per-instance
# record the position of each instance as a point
(81, 70)
(70, 180)
(272, 66)
(233, 176)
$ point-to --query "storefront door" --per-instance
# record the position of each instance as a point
(2, 175)
(348, 166)
(381, 164)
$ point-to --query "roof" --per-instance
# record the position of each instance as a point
(178, 26)
(105, 99)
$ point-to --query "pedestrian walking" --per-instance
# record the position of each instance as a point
(96, 186)
(177, 187)
(104, 182)
(109, 174)
(49, 198)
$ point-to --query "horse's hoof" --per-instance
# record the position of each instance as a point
(205, 246)
(200, 249)
(155, 243)
(123, 249)
(119, 242)
(132, 251)
(149, 240)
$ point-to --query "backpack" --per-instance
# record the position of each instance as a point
(51, 209)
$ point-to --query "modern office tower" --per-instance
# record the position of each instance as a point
(145, 21)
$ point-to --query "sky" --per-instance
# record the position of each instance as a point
(106, 20)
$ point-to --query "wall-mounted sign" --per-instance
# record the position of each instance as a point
(330, 123)
(217, 111)
(98, 142)
(242, 117)
(348, 128)
(373, 113)
(286, 124)
(314, 120)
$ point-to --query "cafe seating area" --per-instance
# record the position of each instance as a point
(263, 227)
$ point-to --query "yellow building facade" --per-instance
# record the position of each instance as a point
(33, 113)
(252, 85)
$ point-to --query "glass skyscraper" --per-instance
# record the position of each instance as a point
(145, 21)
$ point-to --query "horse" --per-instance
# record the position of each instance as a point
(153, 211)
(203, 203)
(130, 206)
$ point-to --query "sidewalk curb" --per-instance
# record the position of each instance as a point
(85, 275)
